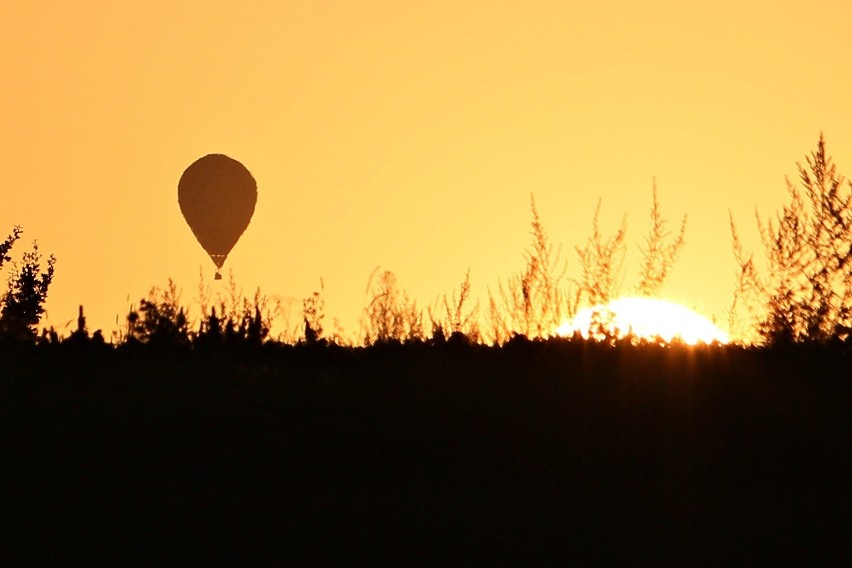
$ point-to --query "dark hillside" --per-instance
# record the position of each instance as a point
(532, 453)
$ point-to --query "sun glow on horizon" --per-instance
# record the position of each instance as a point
(645, 318)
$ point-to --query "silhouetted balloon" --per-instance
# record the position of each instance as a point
(217, 196)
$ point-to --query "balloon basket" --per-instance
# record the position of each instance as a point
(218, 276)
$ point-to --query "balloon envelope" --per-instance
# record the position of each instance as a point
(217, 195)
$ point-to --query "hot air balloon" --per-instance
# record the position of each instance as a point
(217, 195)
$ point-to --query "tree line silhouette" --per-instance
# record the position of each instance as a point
(799, 292)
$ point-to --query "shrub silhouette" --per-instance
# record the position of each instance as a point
(457, 319)
(242, 318)
(216, 331)
(532, 303)
(659, 253)
(159, 320)
(601, 264)
(23, 302)
(390, 315)
(313, 312)
(807, 294)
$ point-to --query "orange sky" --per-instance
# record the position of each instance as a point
(405, 135)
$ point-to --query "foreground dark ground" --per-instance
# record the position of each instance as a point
(530, 454)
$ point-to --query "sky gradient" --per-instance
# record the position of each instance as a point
(405, 135)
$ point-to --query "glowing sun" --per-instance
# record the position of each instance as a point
(644, 318)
